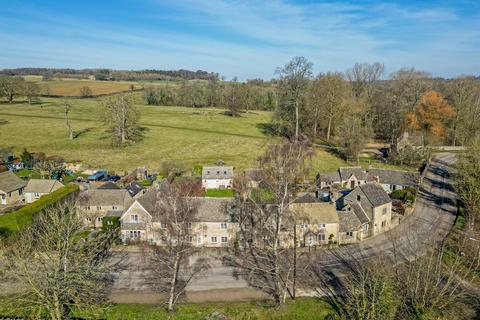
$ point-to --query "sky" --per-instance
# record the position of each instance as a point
(247, 39)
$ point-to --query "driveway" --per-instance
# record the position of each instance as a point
(431, 220)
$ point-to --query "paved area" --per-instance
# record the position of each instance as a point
(431, 221)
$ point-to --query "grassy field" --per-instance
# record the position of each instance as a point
(193, 136)
(71, 87)
(301, 309)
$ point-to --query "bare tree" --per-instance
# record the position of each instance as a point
(120, 113)
(363, 77)
(66, 110)
(55, 268)
(11, 87)
(293, 84)
(85, 92)
(326, 96)
(175, 262)
(31, 90)
(266, 225)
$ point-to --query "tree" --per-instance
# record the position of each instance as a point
(326, 96)
(27, 158)
(233, 97)
(467, 181)
(55, 267)
(121, 115)
(66, 110)
(176, 261)
(430, 115)
(355, 128)
(31, 90)
(363, 77)
(11, 87)
(292, 88)
(264, 228)
(85, 92)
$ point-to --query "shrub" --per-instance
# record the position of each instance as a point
(14, 221)
(407, 194)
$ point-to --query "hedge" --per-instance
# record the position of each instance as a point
(14, 221)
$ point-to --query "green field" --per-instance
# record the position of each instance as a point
(193, 136)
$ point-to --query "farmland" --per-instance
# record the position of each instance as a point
(71, 88)
(192, 136)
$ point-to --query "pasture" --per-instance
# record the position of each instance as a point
(71, 87)
(188, 135)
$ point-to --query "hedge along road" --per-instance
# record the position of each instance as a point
(431, 220)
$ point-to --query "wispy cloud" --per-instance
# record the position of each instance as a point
(243, 38)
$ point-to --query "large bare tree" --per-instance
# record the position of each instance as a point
(176, 261)
(121, 115)
(266, 224)
(55, 268)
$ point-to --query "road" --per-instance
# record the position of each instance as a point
(431, 220)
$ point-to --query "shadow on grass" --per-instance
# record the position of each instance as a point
(81, 132)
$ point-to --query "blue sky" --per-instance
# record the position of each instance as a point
(248, 39)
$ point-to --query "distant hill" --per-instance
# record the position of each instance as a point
(113, 75)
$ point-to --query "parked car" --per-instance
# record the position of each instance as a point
(114, 178)
(98, 176)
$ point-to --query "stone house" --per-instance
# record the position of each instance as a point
(392, 180)
(38, 187)
(213, 226)
(217, 177)
(98, 203)
(11, 188)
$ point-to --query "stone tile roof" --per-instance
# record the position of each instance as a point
(109, 185)
(318, 212)
(346, 173)
(209, 209)
(375, 194)
(397, 177)
(42, 186)
(105, 197)
(10, 182)
(328, 177)
(348, 221)
(217, 172)
(359, 212)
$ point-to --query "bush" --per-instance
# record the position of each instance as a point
(407, 194)
(14, 221)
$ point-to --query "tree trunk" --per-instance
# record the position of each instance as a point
(296, 122)
(173, 283)
(69, 127)
(294, 260)
(329, 128)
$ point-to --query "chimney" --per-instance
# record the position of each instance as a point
(376, 179)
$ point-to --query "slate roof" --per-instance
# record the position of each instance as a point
(318, 212)
(346, 173)
(133, 188)
(217, 172)
(105, 197)
(397, 177)
(10, 182)
(375, 194)
(42, 186)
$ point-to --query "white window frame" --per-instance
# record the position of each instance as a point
(224, 239)
(213, 239)
(223, 225)
(134, 218)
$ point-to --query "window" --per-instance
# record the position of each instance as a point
(114, 207)
(88, 207)
(134, 218)
(189, 238)
(384, 223)
(224, 172)
(36, 195)
(88, 219)
(214, 239)
(99, 219)
(321, 237)
(384, 211)
(99, 207)
(20, 191)
(134, 233)
(189, 225)
(321, 225)
(163, 225)
(110, 222)
(223, 226)
(224, 239)
(359, 197)
(349, 234)
(303, 226)
(218, 172)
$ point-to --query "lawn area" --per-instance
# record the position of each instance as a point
(304, 308)
(217, 193)
(193, 136)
